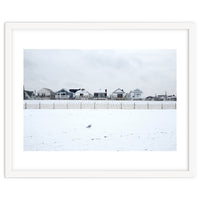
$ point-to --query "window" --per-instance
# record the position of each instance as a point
(119, 95)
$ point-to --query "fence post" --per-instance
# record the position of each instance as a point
(175, 105)
(39, 106)
(161, 106)
(25, 105)
(121, 105)
(53, 105)
(80, 105)
(147, 105)
(94, 105)
(134, 106)
(107, 105)
(66, 105)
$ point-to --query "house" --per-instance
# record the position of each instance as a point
(161, 97)
(149, 98)
(137, 94)
(45, 93)
(63, 94)
(100, 94)
(134, 95)
(171, 98)
(29, 94)
(82, 94)
(73, 91)
(118, 94)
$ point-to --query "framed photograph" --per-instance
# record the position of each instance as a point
(99, 99)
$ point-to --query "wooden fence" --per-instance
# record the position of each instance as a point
(99, 105)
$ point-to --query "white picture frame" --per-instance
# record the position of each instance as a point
(11, 171)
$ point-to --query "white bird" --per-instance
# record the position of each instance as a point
(89, 126)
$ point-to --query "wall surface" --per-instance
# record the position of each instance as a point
(93, 10)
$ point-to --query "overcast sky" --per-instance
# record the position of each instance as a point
(152, 71)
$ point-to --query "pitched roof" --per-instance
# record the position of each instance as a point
(74, 90)
(46, 89)
(62, 90)
(119, 90)
(82, 91)
(29, 94)
(137, 90)
(100, 91)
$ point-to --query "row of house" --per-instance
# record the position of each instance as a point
(164, 97)
(118, 94)
(161, 98)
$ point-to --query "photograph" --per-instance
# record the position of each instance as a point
(99, 99)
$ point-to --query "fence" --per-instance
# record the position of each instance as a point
(99, 105)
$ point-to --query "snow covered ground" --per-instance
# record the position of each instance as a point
(99, 130)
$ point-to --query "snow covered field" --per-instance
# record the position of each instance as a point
(99, 130)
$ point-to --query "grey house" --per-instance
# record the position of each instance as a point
(28, 95)
(171, 98)
(64, 94)
(161, 97)
(45, 93)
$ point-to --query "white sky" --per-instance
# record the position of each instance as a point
(152, 71)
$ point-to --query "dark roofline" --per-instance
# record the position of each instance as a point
(118, 89)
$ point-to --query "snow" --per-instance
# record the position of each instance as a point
(99, 130)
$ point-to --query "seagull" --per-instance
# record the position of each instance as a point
(89, 126)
